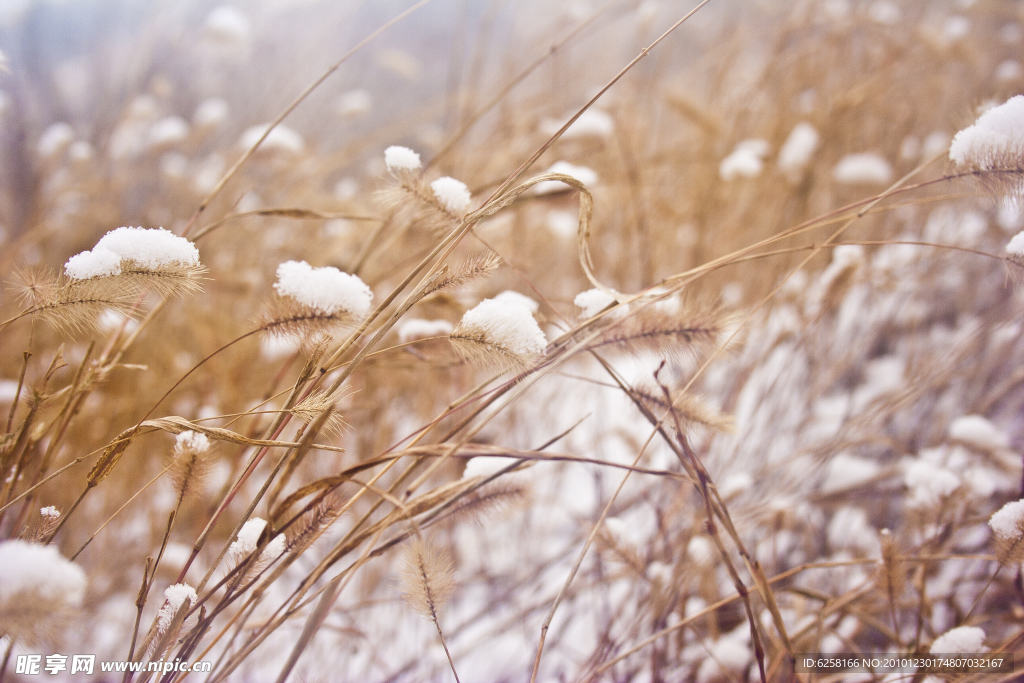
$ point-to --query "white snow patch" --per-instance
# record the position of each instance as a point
(418, 328)
(453, 194)
(507, 325)
(963, 639)
(862, 169)
(583, 174)
(798, 150)
(398, 158)
(281, 138)
(326, 290)
(997, 133)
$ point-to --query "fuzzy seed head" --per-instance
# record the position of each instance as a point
(503, 327)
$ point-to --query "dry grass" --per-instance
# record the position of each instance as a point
(691, 484)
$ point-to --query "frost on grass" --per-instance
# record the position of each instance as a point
(144, 249)
(499, 334)
(995, 140)
(401, 159)
(746, 161)
(592, 302)
(1008, 529)
(959, 640)
(862, 169)
(40, 592)
(591, 123)
(452, 194)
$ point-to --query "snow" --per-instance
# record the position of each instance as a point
(745, 161)
(1008, 522)
(1016, 245)
(592, 302)
(167, 131)
(998, 132)
(862, 169)
(211, 112)
(701, 550)
(1009, 70)
(453, 194)
(486, 466)
(174, 597)
(798, 149)
(31, 572)
(354, 102)
(398, 158)
(326, 290)
(282, 139)
(191, 441)
(515, 298)
(507, 326)
(960, 640)
(563, 223)
(845, 470)
(885, 13)
(418, 328)
(80, 150)
(591, 123)
(55, 138)
(50, 512)
(956, 28)
(975, 430)
(585, 175)
(227, 23)
(247, 540)
(928, 483)
(149, 249)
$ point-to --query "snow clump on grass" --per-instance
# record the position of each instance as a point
(996, 139)
(399, 159)
(326, 290)
(959, 640)
(174, 598)
(798, 150)
(862, 169)
(281, 138)
(452, 194)
(418, 328)
(977, 431)
(146, 249)
(246, 544)
(191, 441)
(746, 161)
(39, 591)
(592, 302)
(1008, 528)
(499, 333)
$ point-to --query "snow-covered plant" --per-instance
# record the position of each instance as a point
(157, 257)
(40, 592)
(960, 640)
(452, 194)
(1008, 531)
(240, 551)
(316, 299)
(502, 334)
